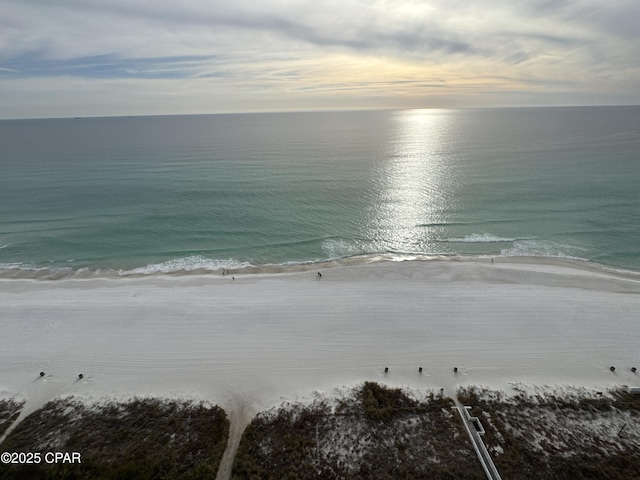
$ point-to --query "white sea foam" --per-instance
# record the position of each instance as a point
(25, 270)
(541, 248)
(33, 268)
(9, 266)
(187, 264)
(485, 238)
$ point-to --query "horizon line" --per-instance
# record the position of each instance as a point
(327, 110)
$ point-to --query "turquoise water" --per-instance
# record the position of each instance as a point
(160, 194)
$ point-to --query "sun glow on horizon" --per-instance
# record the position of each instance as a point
(150, 58)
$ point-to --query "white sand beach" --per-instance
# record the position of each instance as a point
(260, 338)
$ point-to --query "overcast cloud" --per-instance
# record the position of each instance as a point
(127, 57)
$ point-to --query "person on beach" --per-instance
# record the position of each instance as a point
(319, 275)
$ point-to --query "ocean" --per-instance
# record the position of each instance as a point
(166, 194)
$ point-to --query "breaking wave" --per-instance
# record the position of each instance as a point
(542, 248)
(485, 238)
(186, 264)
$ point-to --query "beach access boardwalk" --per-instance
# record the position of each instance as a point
(475, 430)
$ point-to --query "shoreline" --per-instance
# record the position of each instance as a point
(152, 271)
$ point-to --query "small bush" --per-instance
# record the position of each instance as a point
(382, 403)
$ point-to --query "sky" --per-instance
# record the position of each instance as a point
(66, 58)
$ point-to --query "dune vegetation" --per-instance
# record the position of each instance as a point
(145, 438)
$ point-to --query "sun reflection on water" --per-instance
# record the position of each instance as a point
(416, 185)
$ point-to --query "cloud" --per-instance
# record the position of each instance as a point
(108, 66)
(523, 48)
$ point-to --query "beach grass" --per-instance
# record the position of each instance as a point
(370, 431)
(373, 432)
(145, 438)
(560, 433)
